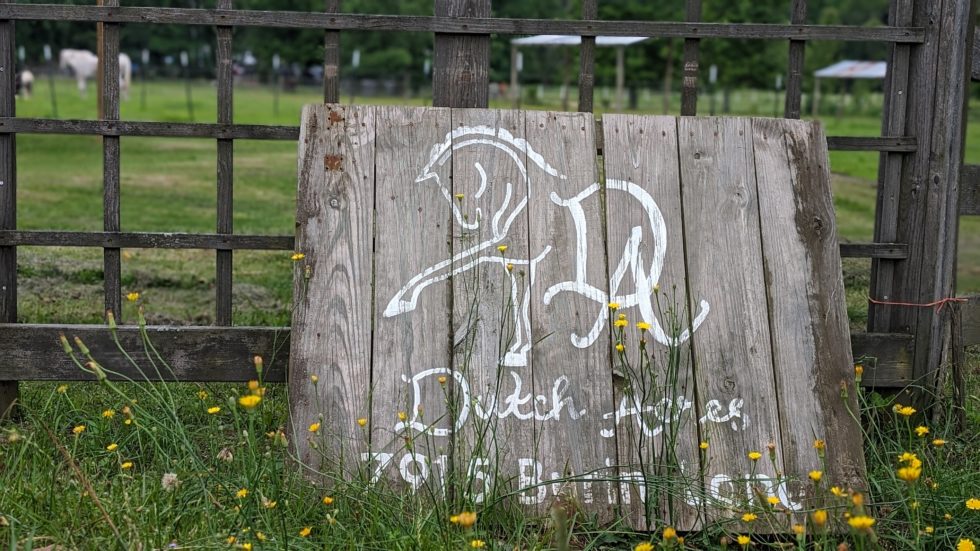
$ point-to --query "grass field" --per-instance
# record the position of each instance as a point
(168, 185)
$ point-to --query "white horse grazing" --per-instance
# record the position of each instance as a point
(648, 238)
(84, 64)
(25, 84)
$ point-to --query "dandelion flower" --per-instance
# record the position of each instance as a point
(315, 428)
(79, 429)
(858, 371)
(260, 536)
(242, 493)
(442, 379)
(112, 447)
(973, 504)
(402, 416)
(269, 503)
(909, 474)
(614, 306)
(669, 533)
(621, 321)
(253, 385)
(643, 546)
(126, 465)
(755, 456)
(820, 517)
(921, 431)
(327, 500)
(510, 267)
(459, 196)
(939, 442)
(819, 444)
(250, 401)
(929, 530)
(202, 394)
(965, 545)
(478, 544)
(305, 532)
(169, 482)
(132, 297)
(314, 379)
(773, 500)
(620, 347)
(703, 445)
(816, 475)
(907, 411)
(62, 389)
(799, 529)
(109, 413)
(296, 257)
(465, 519)
(230, 540)
(213, 410)
(247, 546)
(502, 248)
(749, 517)
(857, 499)
(362, 422)
(643, 326)
(861, 522)
(744, 540)
(837, 491)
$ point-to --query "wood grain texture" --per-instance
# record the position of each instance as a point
(886, 357)
(226, 165)
(970, 321)
(572, 382)
(794, 73)
(9, 391)
(145, 128)
(413, 233)
(196, 354)
(643, 150)
(455, 24)
(691, 57)
(732, 349)
(331, 58)
(586, 56)
(488, 299)
(807, 316)
(970, 190)
(461, 63)
(146, 240)
(108, 49)
(332, 305)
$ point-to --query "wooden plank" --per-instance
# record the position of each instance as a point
(142, 240)
(226, 166)
(642, 152)
(571, 378)
(895, 251)
(331, 58)
(586, 53)
(886, 357)
(195, 354)
(721, 235)
(9, 392)
(461, 63)
(332, 308)
(975, 69)
(902, 144)
(143, 128)
(489, 300)
(689, 85)
(412, 306)
(108, 52)
(970, 190)
(890, 164)
(794, 74)
(970, 321)
(457, 24)
(807, 324)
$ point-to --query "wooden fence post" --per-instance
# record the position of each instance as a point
(8, 199)
(461, 63)
(928, 202)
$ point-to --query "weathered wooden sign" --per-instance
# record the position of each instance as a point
(486, 304)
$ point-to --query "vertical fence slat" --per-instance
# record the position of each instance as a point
(8, 197)
(586, 75)
(109, 104)
(794, 77)
(331, 58)
(226, 149)
(692, 53)
(461, 63)
(890, 167)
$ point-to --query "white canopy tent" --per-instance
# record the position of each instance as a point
(847, 69)
(618, 42)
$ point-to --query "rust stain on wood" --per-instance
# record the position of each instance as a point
(333, 162)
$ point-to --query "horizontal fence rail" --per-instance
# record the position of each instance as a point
(270, 132)
(456, 25)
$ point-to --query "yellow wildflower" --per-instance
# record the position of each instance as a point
(242, 493)
(755, 456)
(703, 445)
(109, 413)
(643, 326)
(857, 499)
(297, 257)
(465, 519)
(442, 379)
(820, 517)
(250, 401)
(510, 267)
(907, 411)
(799, 529)
(669, 533)
(837, 491)
(973, 504)
(253, 385)
(929, 530)
(478, 544)
(938, 442)
(502, 248)
(268, 503)
(79, 429)
(402, 416)
(816, 475)
(773, 500)
(861, 522)
(744, 540)
(133, 296)
(947, 516)
(214, 409)
(362, 422)
(260, 536)
(921, 431)
(202, 394)
(459, 196)
(247, 546)
(62, 389)
(621, 321)
(126, 465)
(112, 447)
(858, 371)
(327, 500)
(305, 532)
(128, 422)
(315, 427)
(749, 517)
(314, 379)
(643, 546)
(819, 444)
(909, 474)
(614, 306)
(620, 347)
(230, 540)
(965, 545)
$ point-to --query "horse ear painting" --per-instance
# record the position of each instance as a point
(483, 272)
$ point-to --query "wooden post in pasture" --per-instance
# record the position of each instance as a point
(226, 168)
(9, 391)
(586, 53)
(461, 66)
(331, 58)
(109, 110)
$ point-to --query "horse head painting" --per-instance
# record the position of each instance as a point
(642, 256)
(83, 64)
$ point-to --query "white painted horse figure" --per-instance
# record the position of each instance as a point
(645, 274)
(84, 64)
